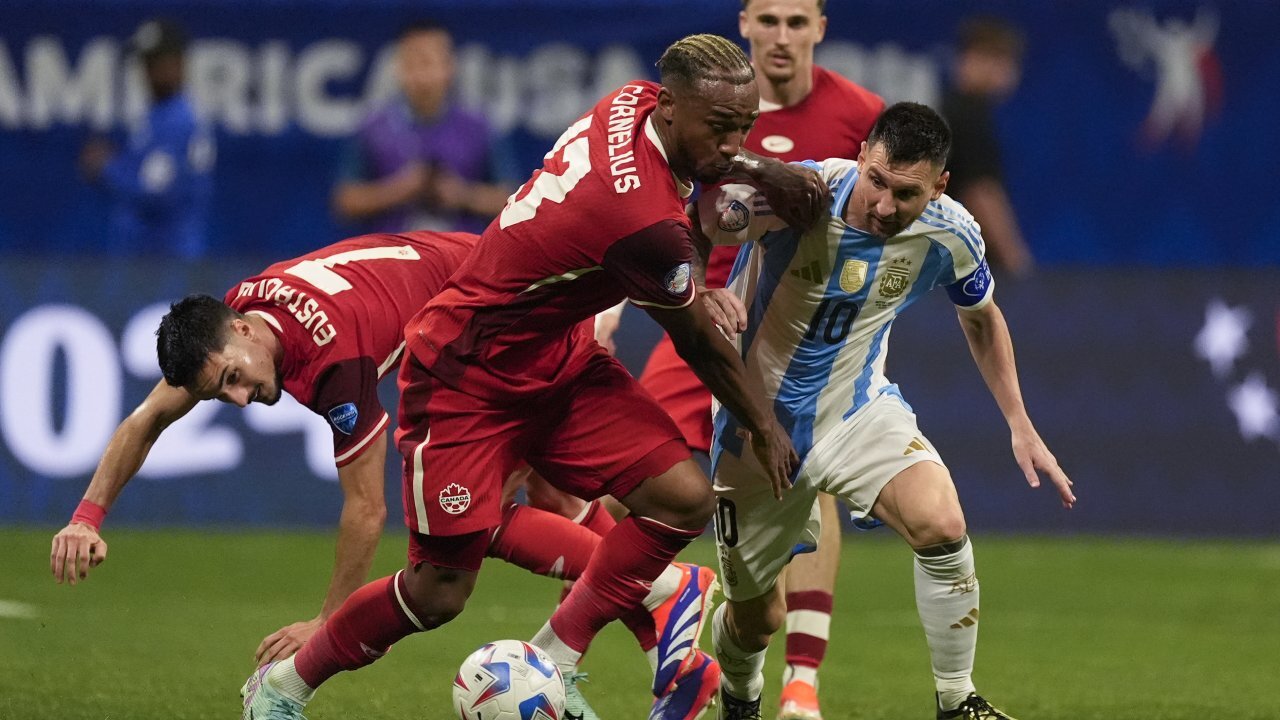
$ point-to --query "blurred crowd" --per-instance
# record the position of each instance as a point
(422, 161)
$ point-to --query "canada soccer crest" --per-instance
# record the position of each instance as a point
(455, 499)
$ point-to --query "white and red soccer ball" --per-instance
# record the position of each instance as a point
(508, 680)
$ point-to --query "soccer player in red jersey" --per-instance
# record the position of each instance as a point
(325, 328)
(806, 113)
(498, 368)
(322, 327)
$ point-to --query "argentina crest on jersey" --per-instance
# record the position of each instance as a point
(344, 417)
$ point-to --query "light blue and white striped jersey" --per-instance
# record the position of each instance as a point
(820, 303)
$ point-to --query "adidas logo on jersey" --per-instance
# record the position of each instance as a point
(913, 446)
(813, 272)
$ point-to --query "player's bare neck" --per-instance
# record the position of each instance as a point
(267, 336)
(787, 92)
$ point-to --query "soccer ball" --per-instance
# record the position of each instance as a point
(508, 680)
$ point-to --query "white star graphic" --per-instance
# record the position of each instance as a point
(1255, 407)
(1222, 340)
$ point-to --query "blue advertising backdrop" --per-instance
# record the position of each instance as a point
(1139, 151)
(283, 82)
(1157, 390)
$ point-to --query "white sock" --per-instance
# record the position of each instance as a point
(741, 671)
(565, 657)
(947, 600)
(652, 656)
(285, 679)
(663, 587)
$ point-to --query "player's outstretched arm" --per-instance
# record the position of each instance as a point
(364, 511)
(992, 350)
(797, 194)
(79, 546)
(716, 363)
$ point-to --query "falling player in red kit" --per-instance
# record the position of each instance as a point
(499, 369)
(325, 328)
(806, 113)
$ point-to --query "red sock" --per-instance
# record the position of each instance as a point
(638, 620)
(543, 543)
(597, 519)
(360, 632)
(808, 627)
(631, 557)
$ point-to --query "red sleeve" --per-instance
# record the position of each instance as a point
(652, 265)
(347, 397)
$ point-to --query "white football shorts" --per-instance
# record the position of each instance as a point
(757, 535)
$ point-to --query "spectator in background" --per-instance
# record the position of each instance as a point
(421, 162)
(988, 67)
(160, 182)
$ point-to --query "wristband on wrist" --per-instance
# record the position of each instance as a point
(90, 513)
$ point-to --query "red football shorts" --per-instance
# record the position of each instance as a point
(594, 433)
(678, 391)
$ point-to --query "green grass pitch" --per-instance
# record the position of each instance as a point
(1071, 629)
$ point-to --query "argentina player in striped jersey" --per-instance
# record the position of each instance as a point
(814, 309)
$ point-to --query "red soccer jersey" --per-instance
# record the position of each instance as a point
(340, 313)
(602, 220)
(831, 121)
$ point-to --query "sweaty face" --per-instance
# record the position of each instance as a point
(424, 62)
(782, 34)
(888, 197)
(243, 372)
(709, 121)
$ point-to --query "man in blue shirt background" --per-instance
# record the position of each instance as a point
(160, 182)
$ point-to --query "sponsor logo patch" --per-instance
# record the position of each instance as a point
(734, 218)
(677, 281)
(344, 417)
(455, 499)
(778, 144)
(853, 275)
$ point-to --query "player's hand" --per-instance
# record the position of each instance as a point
(797, 194)
(76, 549)
(286, 641)
(726, 311)
(777, 456)
(1034, 458)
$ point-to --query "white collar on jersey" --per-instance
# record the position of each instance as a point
(686, 189)
(766, 106)
(270, 320)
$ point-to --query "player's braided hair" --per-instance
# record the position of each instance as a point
(911, 132)
(705, 57)
(194, 327)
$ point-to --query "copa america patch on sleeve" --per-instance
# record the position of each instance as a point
(976, 285)
(344, 417)
(677, 281)
(734, 218)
